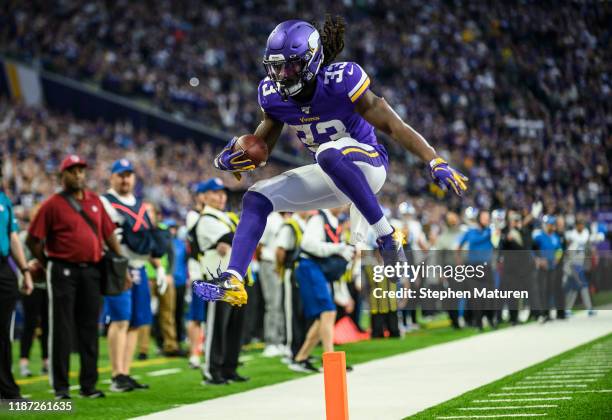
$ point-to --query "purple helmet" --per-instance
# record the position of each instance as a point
(293, 56)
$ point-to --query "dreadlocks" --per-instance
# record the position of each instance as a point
(332, 37)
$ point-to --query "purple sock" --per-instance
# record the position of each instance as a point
(352, 182)
(255, 210)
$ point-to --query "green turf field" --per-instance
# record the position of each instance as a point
(172, 383)
(574, 385)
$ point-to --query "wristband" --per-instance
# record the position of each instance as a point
(435, 162)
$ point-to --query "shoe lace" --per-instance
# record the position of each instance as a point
(219, 274)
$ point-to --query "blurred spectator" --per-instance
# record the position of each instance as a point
(547, 244)
(35, 308)
(323, 260)
(225, 322)
(480, 252)
(10, 245)
(515, 94)
(271, 288)
(66, 236)
(164, 327)
(288, 241)
(180, 275)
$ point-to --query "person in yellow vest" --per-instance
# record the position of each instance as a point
(224, 322)
(287, 242)
(323, 259)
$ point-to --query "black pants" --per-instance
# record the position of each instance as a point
(179, 313)
(223, 339)
(253, 327)
(35, 311)
(387, 321)
(550, 292)
(74, 300)
(483, 306)
(8, 300)
(296, 325)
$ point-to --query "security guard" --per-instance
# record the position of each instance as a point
(197, 307)
(288, 241)
(67, 235)
(214, 232)
(9, 292)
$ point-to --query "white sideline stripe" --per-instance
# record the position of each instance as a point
(26, 395)
(546, 386)
(571, 373)
(553, 381)
(574, 370)
(163, 372)
(503, 394)
(510, 407)
(434, 374)
(524, 399)
(577, 375)
(587, 364)
(591, 357)
(492, 416)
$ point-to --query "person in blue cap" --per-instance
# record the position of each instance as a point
(130, 310)
(214, 232)
(180, 275)
(547, 246)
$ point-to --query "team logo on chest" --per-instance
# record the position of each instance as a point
(306, 109)
(94, 208)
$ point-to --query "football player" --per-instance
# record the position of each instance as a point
(334, 113)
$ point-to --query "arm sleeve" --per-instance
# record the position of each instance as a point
(39, 226)
(264, 90)
(12, 222)
(356, 81)
(107, 225)
(313, 241)
(462, 239)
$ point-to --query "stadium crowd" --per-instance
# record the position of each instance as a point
(515, 93)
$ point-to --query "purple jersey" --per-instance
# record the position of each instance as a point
(330, 115)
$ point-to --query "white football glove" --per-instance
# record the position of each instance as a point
(347, 251)
(162, 284)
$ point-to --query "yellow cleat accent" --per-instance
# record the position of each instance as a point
(399, 237)
(237, 296)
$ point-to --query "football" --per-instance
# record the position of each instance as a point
(254, 148)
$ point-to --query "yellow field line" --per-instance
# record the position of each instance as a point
(104, 369)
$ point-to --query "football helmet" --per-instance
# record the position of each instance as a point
(293, 56)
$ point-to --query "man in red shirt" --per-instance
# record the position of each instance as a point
(71, 253)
